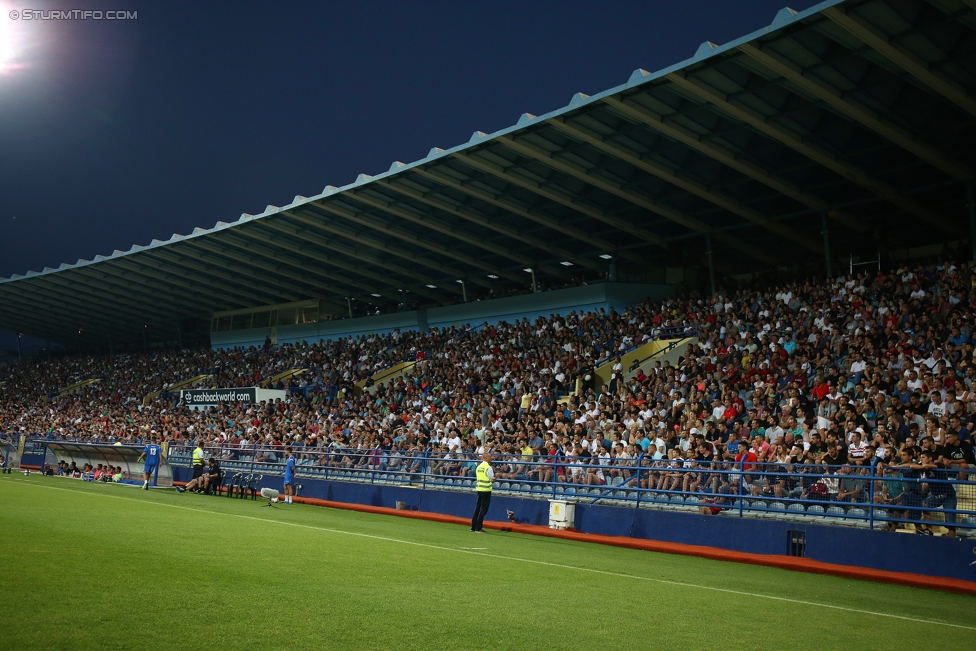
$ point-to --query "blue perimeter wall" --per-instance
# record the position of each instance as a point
(881, 550)
(588, 298)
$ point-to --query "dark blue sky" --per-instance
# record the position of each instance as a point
(115, 133)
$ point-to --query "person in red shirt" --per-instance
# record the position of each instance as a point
(745, 459)
(820, 389)
(731, 413)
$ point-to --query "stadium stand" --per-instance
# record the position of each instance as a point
(824, 383)
(800, 200)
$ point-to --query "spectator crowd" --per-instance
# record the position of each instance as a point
(793, 392)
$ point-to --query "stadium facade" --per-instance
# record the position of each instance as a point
(846, 129)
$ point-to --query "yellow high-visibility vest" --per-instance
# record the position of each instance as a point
(198, 457)
(483, 483)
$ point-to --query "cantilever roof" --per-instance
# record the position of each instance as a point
(858, 115)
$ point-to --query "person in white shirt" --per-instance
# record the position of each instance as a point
(454, 442)
(933, 360)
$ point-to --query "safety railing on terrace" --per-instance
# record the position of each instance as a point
(666, 332)
(417, 355)
(870, 496)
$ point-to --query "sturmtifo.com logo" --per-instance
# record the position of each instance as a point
(72, 14)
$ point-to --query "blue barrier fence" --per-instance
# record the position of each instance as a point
(869, 496)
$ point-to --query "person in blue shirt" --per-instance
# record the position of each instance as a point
(151, 454)
(289, 475)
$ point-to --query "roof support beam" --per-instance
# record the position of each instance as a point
(853, 110)
(730, 159)
(254, 234)
(539, 154)
(898, 55)
(205, 250)
(317, 222)
(491, 224)
(360, 217)
(23, 320)
(768, 128)
(127, 285)
(457, 233)
(102, 296)
(44, 329)
(79, 305)
(669, 175)
(171, 256)
(553, 223)
(382, 263)
(585, 175)
(312, 275)
(519, 180)
(130, 272)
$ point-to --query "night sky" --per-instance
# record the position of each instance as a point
(113, 133)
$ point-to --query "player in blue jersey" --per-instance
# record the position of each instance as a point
(289, 476)
(151, 454)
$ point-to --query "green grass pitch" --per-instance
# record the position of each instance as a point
(88, 566)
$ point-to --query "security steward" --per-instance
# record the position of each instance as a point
(198, 460)
(485, 476)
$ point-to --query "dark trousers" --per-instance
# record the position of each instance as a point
(480, 510)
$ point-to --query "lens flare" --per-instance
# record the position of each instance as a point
(13, 40)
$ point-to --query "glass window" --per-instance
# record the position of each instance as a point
(241, 322)
(261, 320)
(310, 314)
(287, 316)
(224, 324)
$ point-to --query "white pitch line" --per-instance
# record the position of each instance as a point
(463, 550)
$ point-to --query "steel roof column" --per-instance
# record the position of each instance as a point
(971, 207)
(711, 266)
(826, 236)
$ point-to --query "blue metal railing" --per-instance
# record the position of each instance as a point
(867, 496)
(871, 495)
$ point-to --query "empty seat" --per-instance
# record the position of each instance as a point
(816, 508)
(796, 507)
(857, 512)
(835, 510)
(777, 506)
